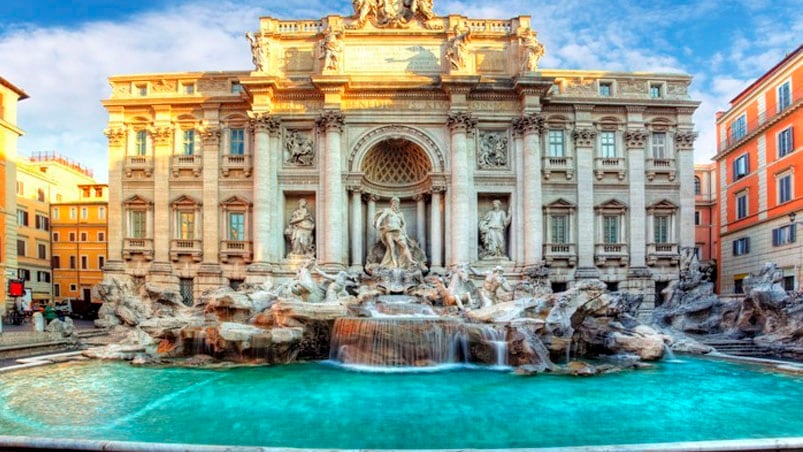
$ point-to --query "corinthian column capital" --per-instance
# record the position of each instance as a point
(331, 120)
(461, 122)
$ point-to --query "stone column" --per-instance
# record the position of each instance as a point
(209, 273)
(684, 146)
(161, 268)
(421, 221)
(532, 126)
(263, 188)
(635, 140)
(584, 139)
(276, 247)
(117, 221)
(332, 236)
(435, 229)
(460, 191)
(370, 236)
(517, 222)
(357, 252)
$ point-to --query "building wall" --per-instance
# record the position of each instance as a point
(705, 233)
(82, 237)
(33, 253)
(764, 123)
(448, 115)
(9, 133)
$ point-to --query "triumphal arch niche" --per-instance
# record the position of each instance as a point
(395, 137)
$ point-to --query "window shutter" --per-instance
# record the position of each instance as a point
(746, 164)
(792, 233)
(775, 240)
(735, 169)
(734, 247)
(746, 245)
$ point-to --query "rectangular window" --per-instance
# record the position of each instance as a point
(697, 218)
(605, 89)
(73, 213)
(785, 142)
(101, 262)
(186, 290)
(84, 236)
(186, 224)
(237, 140)
(41, 250)
(73, 287)
(84, 262)
(655, 91)
(102, 213)
(556, 143)
(24, 273)
(741, 166)
(21, 248)
(43, 276)
(55, 214)
(741, 246)
(55, 262)
(101, 236)
(188, 88)
(784, 235)
(55, 236)
(56, 290)
(236, 87)
(784, 188)
(188, 142)
(84, 213)
(661, 229)
(72, 236)
(236, 226)
(22, 217)
(72, 262)
(738, 286)
(739, 128)
(137, 226)
(610, 229)
(784, 96)
(607, 141)
(42, 222)
(741, 205)
(141, 142)
(559, 231)
(658, 145)
(20, 188)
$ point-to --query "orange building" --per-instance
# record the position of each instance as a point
(760, 177)
(9, 133)
(705, 201)
(79, 237)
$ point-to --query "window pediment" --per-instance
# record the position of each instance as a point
(235, 202)
(137, 201)
(185, 202)
(611, 206)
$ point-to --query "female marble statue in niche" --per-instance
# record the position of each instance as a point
(299, 230)
(492, 231)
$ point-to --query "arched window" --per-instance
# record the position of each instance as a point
(696, 185)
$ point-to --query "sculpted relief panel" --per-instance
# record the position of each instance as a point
(299, 149)
(493, 152)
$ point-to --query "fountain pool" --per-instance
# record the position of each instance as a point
(322, 405)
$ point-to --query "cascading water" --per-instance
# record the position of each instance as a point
(495, 337)
(397, 342)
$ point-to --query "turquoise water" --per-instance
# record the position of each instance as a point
(319, 405)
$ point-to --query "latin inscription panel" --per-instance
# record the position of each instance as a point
(415, 59)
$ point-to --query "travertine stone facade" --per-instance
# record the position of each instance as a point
(446, 113)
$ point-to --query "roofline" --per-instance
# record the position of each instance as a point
(767, 74)
(12, 87)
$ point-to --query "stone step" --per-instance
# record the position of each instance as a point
(738, 347)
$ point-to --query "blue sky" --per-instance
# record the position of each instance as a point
(61, 52)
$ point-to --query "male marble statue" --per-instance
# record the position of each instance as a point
(390, 224)
(492, 231)
(299, 230)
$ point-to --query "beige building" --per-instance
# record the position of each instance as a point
(448, 114)
(9, 133)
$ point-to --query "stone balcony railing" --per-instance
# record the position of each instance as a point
(605, 252)
(142, 163)
(185, 247)
(235, 248)
(558, 165)
(187, 162)
(560, 252)
(133, 246)
(240, 162)
(662, 251)
(661, 166)
(615, 165)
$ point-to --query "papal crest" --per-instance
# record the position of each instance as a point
(392, 13)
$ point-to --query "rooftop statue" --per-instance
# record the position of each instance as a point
(533, 51)
(392, 13)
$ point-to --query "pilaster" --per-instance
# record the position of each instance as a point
(584, 138)
(532, 127)
(333, 237)
(264, 186)
(116, 225)
(460, 124)
(162, 152)
(635, 140)
(684, 144)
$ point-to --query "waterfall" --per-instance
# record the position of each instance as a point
(399, 342)
(668, 354)
(495, 337)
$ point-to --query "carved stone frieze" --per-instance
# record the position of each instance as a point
(584, 137)
(636, 138)
(115, 135)
(684, 141)
(461, 122)
(163, 86)
(494, 150)
(330, 120)
(299, 149)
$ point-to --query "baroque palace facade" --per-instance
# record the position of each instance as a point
(221, 177)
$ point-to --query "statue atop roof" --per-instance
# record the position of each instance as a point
(392, 13)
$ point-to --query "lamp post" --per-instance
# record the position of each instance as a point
(798, 283)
